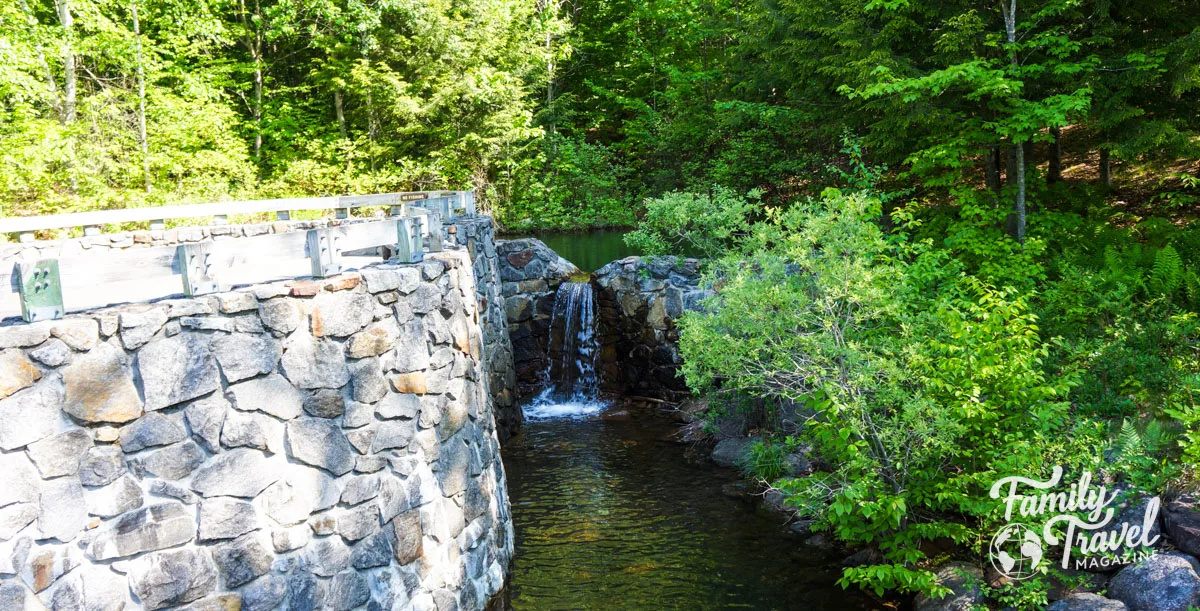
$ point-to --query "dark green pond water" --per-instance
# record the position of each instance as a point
(609, 515)
(589, 251)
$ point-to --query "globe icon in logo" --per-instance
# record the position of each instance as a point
(1016, 551)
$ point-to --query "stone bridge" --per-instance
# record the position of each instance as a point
(329, 442)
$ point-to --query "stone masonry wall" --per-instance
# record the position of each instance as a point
(478, 234)
(312, 444)
(639, 301)
(531, 274)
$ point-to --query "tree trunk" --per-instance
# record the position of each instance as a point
(258, 109)
(252, 38)
(1105, 169)
(1055, 170)
(1010, 28)
(991, 168)
(549, 79)
(372, 127)
(141, 83)
(1020, 232)
(341, 115)
(1010, 166)
(67, 21)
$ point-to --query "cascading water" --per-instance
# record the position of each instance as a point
(571, 386)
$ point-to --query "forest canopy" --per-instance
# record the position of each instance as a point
(961, 234)
(569, 114)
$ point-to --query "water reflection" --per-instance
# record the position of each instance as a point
(590, 250)
(609, 515)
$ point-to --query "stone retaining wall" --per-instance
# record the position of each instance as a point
(314, 444)
(478, 234)
(531, 274)
(639, 301)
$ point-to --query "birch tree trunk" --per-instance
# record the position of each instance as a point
(69, 84)
(341, 114)
(1010, 27)
(252, 39)
(141, 84)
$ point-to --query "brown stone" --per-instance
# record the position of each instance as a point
(374, 340)
(409, 382)
(217, 602)
(99, 387)
(305, 289)
(462, 336)
(407, 537)
(520, 259)
(16, 372)
(343, 282)
(48, 565)
(78, 333)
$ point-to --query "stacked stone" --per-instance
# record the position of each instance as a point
(640, 299)
(531, 273)
(49, 249)
(478, 234)
(301, 445)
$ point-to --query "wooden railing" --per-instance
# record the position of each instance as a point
(46, 287)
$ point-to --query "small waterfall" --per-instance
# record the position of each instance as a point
(571, 385)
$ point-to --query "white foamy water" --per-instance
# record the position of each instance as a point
(572, 389)
(558, 410)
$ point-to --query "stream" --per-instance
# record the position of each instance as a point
(609, 514)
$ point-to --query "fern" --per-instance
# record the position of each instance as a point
(1191, 285)
(1129, 441)
(1167, 273)
(1157, 436)
(1112, 258)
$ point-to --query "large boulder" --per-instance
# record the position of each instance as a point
(732, 452)
(1162, 582)
(1086, 601)
(966, 593)
(529, 259)
(1182, 520)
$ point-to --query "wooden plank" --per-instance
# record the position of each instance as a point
(131, 290)
(131, 215)
(103, 266)
(108, 277)
(368, 235)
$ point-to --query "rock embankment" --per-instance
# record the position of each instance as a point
(531, 274)
(477, 234)
(313, 444)
(640, 302)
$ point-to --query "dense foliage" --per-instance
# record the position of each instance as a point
(951, 240)
(571, 114)
(142, 102)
